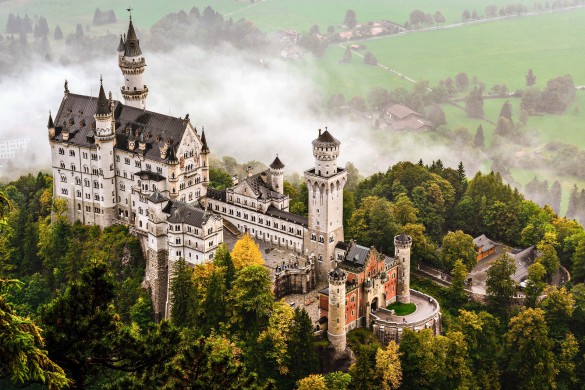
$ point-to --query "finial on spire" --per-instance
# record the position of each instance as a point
(129, 9)
(101, 80)
(66, 86)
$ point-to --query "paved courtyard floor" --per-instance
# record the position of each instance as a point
(424, 309)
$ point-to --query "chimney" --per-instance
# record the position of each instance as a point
(319, 132)
(235, 180)
(249, 171)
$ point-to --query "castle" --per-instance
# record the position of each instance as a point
(118, 163)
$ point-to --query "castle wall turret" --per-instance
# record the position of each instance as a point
(105, 140)
(336, 319)
(402, 245)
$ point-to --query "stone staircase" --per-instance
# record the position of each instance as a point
(230, 227)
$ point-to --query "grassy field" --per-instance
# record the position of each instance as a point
(271, 15)
(402, 309)
(268, 15)
(495, 52)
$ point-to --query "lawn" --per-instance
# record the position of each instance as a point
(496, 52)
(402, 309)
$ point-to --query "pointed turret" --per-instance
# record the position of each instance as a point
(121, 45)
(277, 164)
(204, 147)
(132, 48)
(171, 155)
(103, 105)
(51, 126)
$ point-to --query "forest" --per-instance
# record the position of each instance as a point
(74, 315)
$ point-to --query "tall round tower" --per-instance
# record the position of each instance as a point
(173, 164)
(277, 172)
(105, 137)
(132, 64)
(325, 183)
(336, 315)
(402, 245)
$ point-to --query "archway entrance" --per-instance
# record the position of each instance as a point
(374, 305)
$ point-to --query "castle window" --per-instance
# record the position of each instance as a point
(313, 237)
(63, 179)
(61, 151)
(88, 209)
(64, 191)
(148, 167)
(62, 164)
(78, 193)
(117, 158)
(321, 239)
(77, 180)
(96, 197)
(178, 241)
(94, 171)
(126, 161)
(72, 167)
(331, 238)
(94, 156)
(159, 169)
(72, 153)
(86, 182)
(87, 196)
(137, 164)
(95, 184)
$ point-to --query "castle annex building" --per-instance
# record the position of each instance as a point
(118, 163)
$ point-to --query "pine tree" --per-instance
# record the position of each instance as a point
(530, 78)
(506, 111)
(214, 305)
(58, 34)
(474, 104)
(222, 258)
(300, 346)
(182, 293)
(347, 55)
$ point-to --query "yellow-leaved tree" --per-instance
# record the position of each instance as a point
(312, 382)
(246, 252)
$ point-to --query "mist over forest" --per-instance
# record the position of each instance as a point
(236, 90)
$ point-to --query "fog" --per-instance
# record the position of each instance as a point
(252, 108)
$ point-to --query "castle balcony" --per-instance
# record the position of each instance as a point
(137, 93)
(134, 64)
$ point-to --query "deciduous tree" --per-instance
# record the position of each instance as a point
(458, 246)
(500, 286)
(388, 368)
(246, 252)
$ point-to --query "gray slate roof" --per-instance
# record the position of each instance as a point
(76, 114)
(188, 214)
(483, 242)
(287, 216)
(326, 140)
(277, 164)
(132, 44)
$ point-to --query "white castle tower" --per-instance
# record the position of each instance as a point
(402, 245)
(132, 64)
(105, 139)
(277, 173)
(325, 185)
(336, 319)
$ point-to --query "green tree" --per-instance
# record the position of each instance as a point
(219, 179)
(558, 307)
(457, 289)
(534, 283)
(363, 371)
(530, 78)
(250, 300)
(549, 259)
(374, 224)
(529, 361)
(141, 312)
(301, 347)
(474, 104)
(350, 19)
(22, 357)
(80, 324)
(500, 286)
(458, 246)
(338, 380)
(346, 55)
(4, 206)
(222, 258)
(480, 331)
(506, 111)
(182, 294)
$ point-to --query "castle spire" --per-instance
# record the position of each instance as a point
(204, 147)
(51, 124)
(121, 45)
(132, 47)
(103, 106)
